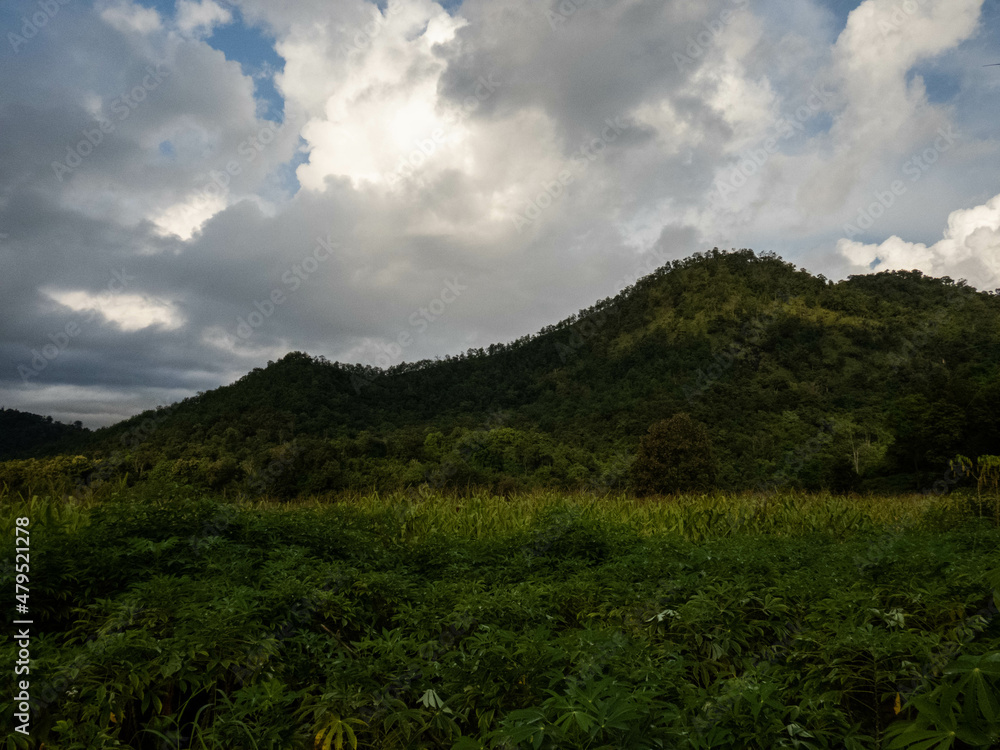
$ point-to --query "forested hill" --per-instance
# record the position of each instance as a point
(26, 434)
(869, 383)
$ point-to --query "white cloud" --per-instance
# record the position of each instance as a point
(384, 107)
(883, 114)
(970, 249)
(746, 101)
(185, 218)
(875, 116)
(128, 312)
(201, 18)
(129, 17)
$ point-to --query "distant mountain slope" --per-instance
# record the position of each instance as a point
(878, 378)
(24, 434)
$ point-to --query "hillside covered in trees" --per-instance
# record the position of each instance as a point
(873, 383)
(24, 434)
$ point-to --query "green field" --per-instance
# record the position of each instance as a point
(168, 619)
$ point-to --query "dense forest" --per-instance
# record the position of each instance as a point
(23, 434)
(877, 383)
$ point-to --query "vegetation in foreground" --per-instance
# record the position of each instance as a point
(176, 620)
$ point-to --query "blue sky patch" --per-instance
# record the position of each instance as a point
(254, 51)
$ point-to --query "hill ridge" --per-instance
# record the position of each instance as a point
(760, 352)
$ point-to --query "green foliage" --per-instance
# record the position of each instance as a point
(59, 475)
(674, 456)
(964, 707)
(544, 620)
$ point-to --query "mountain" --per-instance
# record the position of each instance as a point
(25, 434)
(871, 383)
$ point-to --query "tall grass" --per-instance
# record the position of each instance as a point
(694, 517)
(481, 514)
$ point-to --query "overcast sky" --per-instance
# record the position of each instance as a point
(191, 189)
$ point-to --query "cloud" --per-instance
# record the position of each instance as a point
(883, 111)
(95, 406)
(827, 156)
(129, 17)
(386, 106)
(201, 18)
(470, 146)
(970, 249)
(129, 312)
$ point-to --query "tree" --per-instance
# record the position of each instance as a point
(926, 433)
(675, 455)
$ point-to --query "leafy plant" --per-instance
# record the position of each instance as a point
(964, 707)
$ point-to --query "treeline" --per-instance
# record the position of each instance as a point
(24, 434)
(503, 459)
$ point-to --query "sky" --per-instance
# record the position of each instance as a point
(191, 189)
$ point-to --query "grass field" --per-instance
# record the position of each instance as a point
(165, 619)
